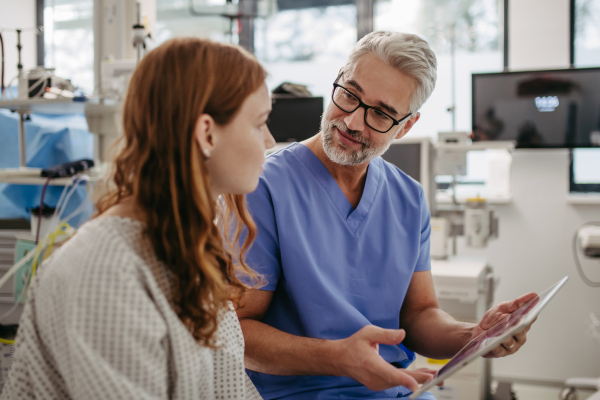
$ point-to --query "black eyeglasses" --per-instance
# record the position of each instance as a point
(374, 118)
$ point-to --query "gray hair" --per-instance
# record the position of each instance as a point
(405, 52)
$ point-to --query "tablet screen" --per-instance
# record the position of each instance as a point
(496, 331)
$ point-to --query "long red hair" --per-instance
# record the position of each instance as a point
(159, 164)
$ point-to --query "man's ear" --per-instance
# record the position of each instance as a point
(205, 134)
(409, 124)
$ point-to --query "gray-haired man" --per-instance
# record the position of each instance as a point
(343, 244)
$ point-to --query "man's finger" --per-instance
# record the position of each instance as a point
(521, 337)
(512, 306)
(510, 344)
(422, 375)
(376, 334)
(391, 376)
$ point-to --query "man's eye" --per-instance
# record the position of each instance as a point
(380, 115)
(348, 95)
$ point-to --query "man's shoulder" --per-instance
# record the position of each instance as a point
(283, 164)
(281, 155)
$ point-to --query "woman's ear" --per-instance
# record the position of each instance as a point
(205, 134)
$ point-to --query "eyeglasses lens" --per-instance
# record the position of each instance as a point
(347, 102)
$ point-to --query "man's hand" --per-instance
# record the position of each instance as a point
(360, 360)
(495, 315)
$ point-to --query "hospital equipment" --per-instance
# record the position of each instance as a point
(472, 217)
(586, 239)
(122, 29)
(589, 239)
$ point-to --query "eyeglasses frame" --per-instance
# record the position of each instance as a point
(366, 107)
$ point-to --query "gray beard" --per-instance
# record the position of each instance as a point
(339, 153)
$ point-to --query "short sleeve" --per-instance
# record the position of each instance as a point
(424, 260)
(264, 256)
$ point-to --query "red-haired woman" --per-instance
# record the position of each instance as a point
(138, 304)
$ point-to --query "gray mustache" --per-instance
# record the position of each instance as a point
(354, 134)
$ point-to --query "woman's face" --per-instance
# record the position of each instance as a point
(236, 159)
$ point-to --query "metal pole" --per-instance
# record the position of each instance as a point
(364, 18)
(453, 73)
(19, 47)
(248, 10)
(487, 362)
(22, 158)
(39, 21)
(138, 45)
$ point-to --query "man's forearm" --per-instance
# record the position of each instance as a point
(436, 334)
(272, 351)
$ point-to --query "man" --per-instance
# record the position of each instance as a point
(343, 245)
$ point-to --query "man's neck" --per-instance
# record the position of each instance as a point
(350, 178)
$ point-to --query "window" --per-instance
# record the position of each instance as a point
(587, 33)
(307, 46)
(585, 171)
(174, 18)
(477, 49)
(476, 26)
(585, 163)
(69, 40)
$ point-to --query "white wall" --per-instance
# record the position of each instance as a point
(534, 247)
(18, 14)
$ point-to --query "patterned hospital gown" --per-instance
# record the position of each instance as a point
(99, 324)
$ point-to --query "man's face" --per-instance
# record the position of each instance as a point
(347, 140)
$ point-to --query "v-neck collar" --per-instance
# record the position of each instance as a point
(353, 217)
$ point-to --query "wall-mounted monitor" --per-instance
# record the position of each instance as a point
(538, 109)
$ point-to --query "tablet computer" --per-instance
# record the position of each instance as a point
(509, 326)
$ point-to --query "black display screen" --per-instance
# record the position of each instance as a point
(555, 108)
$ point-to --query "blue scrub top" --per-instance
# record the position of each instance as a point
(335, 269)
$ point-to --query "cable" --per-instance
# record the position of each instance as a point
(77, 211)
(60, 200)
(576, 255)
(7, 341)
(2, 66)
(37, 235)
(12, 310)
(16, 267)
(76, 183)
(55, 217)
(63, 229)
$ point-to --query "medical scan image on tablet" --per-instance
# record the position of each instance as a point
(509, 326)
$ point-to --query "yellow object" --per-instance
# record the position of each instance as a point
(476, 199)
(7, 341)
(64, 229)
(438, 362)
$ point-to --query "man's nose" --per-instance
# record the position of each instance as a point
(355, 121)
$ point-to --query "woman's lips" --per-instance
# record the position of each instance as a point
(346, 139)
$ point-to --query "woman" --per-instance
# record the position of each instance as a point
(138, 304)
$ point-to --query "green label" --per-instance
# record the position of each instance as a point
(23, 274)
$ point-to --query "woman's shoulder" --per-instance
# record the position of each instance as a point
(104, 245)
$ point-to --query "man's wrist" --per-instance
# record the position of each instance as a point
(471, 332)
(332, 355)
